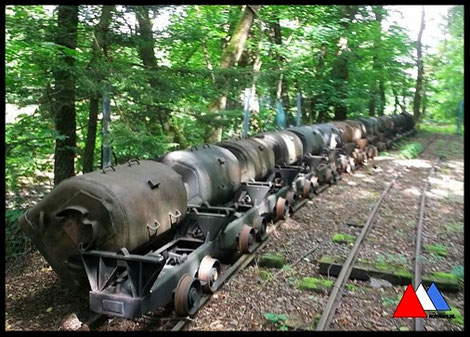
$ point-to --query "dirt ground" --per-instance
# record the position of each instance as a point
(270, 299)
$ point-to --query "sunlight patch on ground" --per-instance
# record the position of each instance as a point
(359, 175)
(364, 177)
(383, 157)
(364, 193)
(455, 186)
(454, 164)
(438, 192)
(415, 163)
(412, 191)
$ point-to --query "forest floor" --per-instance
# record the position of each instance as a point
(271, 299)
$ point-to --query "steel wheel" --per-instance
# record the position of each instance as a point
(291, 198)
(282, 208)
(260, 225)
(352, 165)
(306, 189)
(344, 163)
(335, 177)
(187, 295)
(246, 239)
(208, 273)
(313, 190)
(323, 173)
(310, 188)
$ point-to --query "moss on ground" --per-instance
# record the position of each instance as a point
(264, 274)
(445, 277)
(437, 249)
(403, 273)
(455, 226)
(343, 238)
(329, 259)
(315, 284)
(272, 260)
(458, 319)
(458, 270)
(396, 273)
(351, 286)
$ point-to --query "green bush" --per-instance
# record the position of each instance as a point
(411, 150)
(15, 241)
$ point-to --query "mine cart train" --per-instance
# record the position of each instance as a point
(148, 234)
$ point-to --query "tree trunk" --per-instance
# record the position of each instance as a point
(318, 78)
(419, 79)
(146, 46)
(99, 46)
(340, 73)
(282, 89)
(340, 76)
(382, 100)
(311, 115)
(64, 94)
(372, 99)
(254, 101)
(377, 87)
(89, 151)
(230, 56)
(397, 101)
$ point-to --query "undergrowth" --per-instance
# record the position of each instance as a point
(16, 243)
(410, 150)
(440, 128)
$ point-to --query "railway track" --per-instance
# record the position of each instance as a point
(343, 277)
(97, 320)
(418, 322)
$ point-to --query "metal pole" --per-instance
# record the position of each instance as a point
(280, 116)
(106, 143)
(299, 112)
(246, 115)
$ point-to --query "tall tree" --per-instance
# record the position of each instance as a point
(64, 94)
(419, 78)
(445, 71)
(251, 58)
(99, 47)
(377, 87)
(340, 72)
(318, 73)
(146, 45)
(230, 56)
(281, 88)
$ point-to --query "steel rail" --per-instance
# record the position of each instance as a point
(418, 322)
(347, 267)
